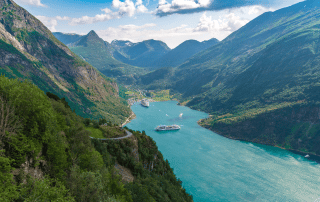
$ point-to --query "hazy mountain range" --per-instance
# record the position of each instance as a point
(149, 54)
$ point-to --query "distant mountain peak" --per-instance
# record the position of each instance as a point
(92, 33)
(91, 37)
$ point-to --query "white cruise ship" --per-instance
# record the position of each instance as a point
(164, 127)
(145, 102)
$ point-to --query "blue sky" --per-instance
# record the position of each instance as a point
(171, 21)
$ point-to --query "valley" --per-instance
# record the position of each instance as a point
(248, 105)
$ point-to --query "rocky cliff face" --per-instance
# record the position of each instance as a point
(28, 50)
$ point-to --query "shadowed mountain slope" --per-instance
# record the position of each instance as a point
(183, 52)
(66, 38)
(141, 54)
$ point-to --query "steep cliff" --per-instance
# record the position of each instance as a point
(28, 50)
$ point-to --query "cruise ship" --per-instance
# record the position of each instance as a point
(164, 127)
(145, 102)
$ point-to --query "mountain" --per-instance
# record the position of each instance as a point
(99, 54)
(259, 84)
(273, 59)
(28, 50)
(184, 51)
(142, 54)
(66, 38)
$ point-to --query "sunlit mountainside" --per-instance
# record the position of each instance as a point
(30, 51)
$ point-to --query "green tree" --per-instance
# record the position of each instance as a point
(8, 191)
(44, 190)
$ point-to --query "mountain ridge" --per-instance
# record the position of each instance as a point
(99, 53)
(182, 52)
(30, 51)
(141, 54)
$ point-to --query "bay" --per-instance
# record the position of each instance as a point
(214, 168)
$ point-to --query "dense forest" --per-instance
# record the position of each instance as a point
(46, 154)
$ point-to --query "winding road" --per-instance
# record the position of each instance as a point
(129, 134)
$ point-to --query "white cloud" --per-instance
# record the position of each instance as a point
(178, 5)
(228, 23)
(126, 8)
(219, 29)
(51, 22)
(90, 20)
(106, 10)
(255, 10)
(31, 2)
(64, 18)
(193, 6)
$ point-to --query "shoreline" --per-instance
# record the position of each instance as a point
(312, 157)
(128, 120)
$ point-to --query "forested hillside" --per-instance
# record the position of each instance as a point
(46, 154)
(28, 50)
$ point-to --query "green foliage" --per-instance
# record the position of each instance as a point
(8, 191)
(86, 122)
(44, 190)
(123, 92)
(91, 160)
(95, 132)
(139, 192)
(34, 110)
(155, 180)
(16, 147)
(102, 121)
(56, 155)
(54, 141)
(56, 98)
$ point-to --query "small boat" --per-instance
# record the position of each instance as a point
(307, 156)
(180, 115)
(164, 127)
(145, 102)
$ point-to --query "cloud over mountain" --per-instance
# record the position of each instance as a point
(192, 6)
(31, 2)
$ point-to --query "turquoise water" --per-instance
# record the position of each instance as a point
(214, 168)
